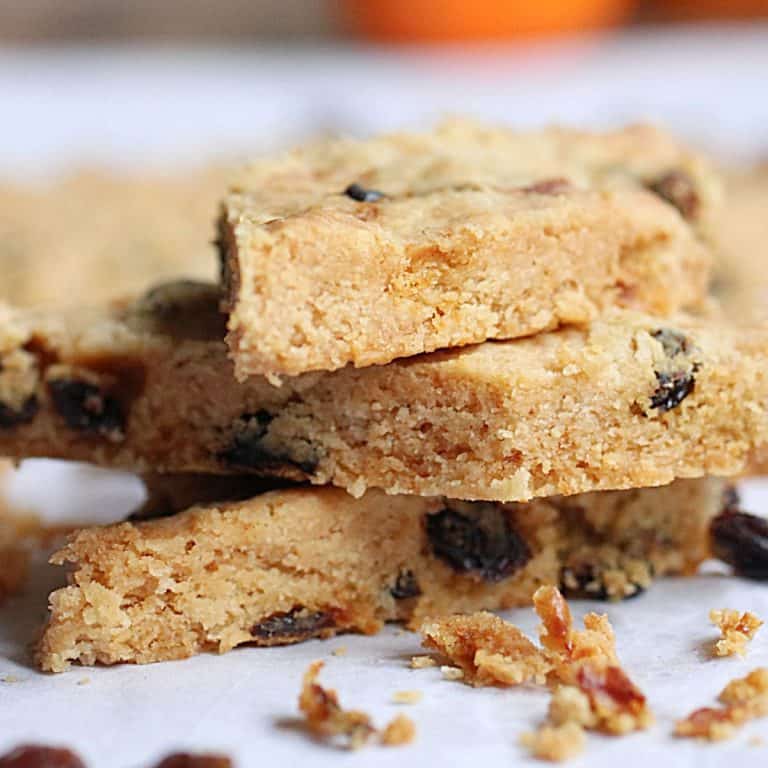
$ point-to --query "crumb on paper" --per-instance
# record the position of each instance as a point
(340, 651)
(10, 679)
(555, 743)
(399, 731)
(84, 681)
(422, 662)
(590, 690)
(324, 715)
(736, 630)
(327, 720)
(743, 699)
(756, 741)
(407, 697)
(486, 649)
(451, 673)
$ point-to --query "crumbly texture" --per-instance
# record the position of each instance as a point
(455, 236)
(631, 401)
(590, 689)
(555, 743)
(736, 628)
(741, 700)
(109, 234)
(301, 563)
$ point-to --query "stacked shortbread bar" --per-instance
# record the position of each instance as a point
(440, 370)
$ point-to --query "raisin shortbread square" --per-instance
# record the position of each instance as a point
(361, 252)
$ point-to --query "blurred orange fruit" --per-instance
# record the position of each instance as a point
(409, 21)
(708, 9)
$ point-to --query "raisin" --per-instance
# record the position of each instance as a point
(12, 417)
(741, 540)
(292, 626)
(674, 342)
(406, 586)
(35, 756)
(554, 186)
(362, 195)
(248, 449)
(586, 582)
(673, 389)
(477, 537)
(84, 407)
(678, 189)
(187, 760)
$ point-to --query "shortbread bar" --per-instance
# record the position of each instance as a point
(631, 401)
(362, 252)
(299, 563)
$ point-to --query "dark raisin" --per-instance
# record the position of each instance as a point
(362, 195)
(672, 390)
(292, 626)
(84, 407)
(477, 537)
(406, 586)
(554, 186)
(249, 450)
(12, 417)
(678, 189)
(586, 582)
(35, 756)
(741, 540)
(187, 760)
(674, 342)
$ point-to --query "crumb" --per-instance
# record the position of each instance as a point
(400, 730)
(340, 651)
(406, 697)
(40, 756)
(422, 662)
(743, 699)
(451, 673)
(84, 681)
(736, 630)
(10, 679)
(324, 715)
(487, 649)
(188, 760)
(556, 743)
(756, 741)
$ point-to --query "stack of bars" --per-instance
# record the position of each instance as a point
(440, 370)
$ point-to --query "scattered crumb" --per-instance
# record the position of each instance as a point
(188, 760)
(324, 716)
(84, 681)
(744, 699)
(10, 679)
(451, 673)
(487, 649)
(327, 720)
(736, 630)
(400, 730)
(340, 651)
(756, 741)
(406, 697)
(556, 743)
(422, 662)
(590, 689)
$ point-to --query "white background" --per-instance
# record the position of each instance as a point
(168, 107)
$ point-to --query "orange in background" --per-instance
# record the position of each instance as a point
(412, 21)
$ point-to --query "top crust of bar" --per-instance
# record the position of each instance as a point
(478, 233)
